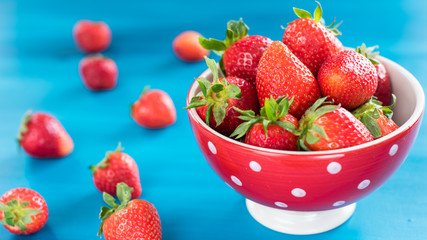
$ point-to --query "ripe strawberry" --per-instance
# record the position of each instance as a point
(240, 53)
(136, 219)
(42, 136)
(154, 109)
(186, 47)
(116, 167)
(383, 92)
(92, 37)
(310, 40)
(330, 127)
(275, 128)
(23, 211)
(376, 118)
(280, 73)
(219, 97)
(348, 78)
(98, 72)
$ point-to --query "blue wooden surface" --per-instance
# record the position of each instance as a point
(38, 70)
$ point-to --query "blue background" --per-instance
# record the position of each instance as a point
(38, 70)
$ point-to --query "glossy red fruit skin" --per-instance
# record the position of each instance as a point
(92, 37)
(121, 168)
(281, 73)
(277, 137)
(186, 47)
(154, 109)
(348, 78)
(247, 101)
(343, 130)
(311, 42)
(139, 220)
(383, 92)
(36, 202)
(46, 137)
(98, 72)
(241, 59)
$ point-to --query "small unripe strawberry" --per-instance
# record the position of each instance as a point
(186, 47)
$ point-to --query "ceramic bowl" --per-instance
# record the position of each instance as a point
(311, 192)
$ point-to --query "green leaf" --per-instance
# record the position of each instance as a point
(302, 13)
(233, 91)
(212, 66)
(269, 111)
(325, 109)
(375, 114)
(301, 140)
(318, 12)
(311, 139)
(105, 212)
(212, 44)
(372, 126)
(319, 130)
(201, 102)
(30, 211)
(21, 226)
(265, 124)
(243, 128)
(283, 108)
(248, 113)
(25, 204)
(216, 88)
(12, 203)
(236, 30)
(2, 207)
(27, 220)
(203, 87)
(287, 126)
(108, 199)
(208, 114)
(124, 193)
(219, 113)
(221, 68)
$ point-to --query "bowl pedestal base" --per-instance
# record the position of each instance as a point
(299, 222)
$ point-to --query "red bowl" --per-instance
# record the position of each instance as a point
(321, 180)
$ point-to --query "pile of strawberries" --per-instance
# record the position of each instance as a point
(306, 92)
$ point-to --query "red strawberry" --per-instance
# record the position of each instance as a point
(92, 37)
(280, 73)
(274, 128)
(240, 53)
(219, 97)
(153, 109)
(42, 136)
(377, 118)
(136, 219)
(186, 47)
(98, 72)
(383, 92)
(310, 40)
(116, 167)
(331, 127)
(348, 78)
(23, 211)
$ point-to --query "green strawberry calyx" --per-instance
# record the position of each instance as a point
(123, 194)
(271, 113)
(309, 131)
(370, 111)
(17, 214)
(368, 52)
(215, 94)
(23, 129)
(104, 162)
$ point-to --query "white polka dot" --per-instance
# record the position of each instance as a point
(364, 184)
(393, 150)
(298, 192)
(236, 180)
(212, 147)
(255, 166)
(339, 203)
(280, 204)
(334, 168)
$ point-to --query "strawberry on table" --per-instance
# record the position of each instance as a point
(116, 167)
(92, 37)
(310, 40)
(23, 211)
(240, 53)
(220, 96)
(135, 219)
(330, 127)
(280, 73)
(42, 136)
(186, 47)
(98, 72)
(275, 128)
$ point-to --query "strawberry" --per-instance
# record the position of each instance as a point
(383, 92)
(154, 109)
(136, 219)
(280, 73)
(42, 136)
(186, 47)
(310, 40)
(92, 37)
(23, 211)
(330, 127)
(219, 97)
(376, 118)
(348, 78)
(116, 167)
(240, 53)
(98, 72)
(274, 128)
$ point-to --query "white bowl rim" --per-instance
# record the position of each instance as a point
(417, 114)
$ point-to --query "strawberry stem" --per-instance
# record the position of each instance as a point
(23, 128)
(104, 162)
(16, 214)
